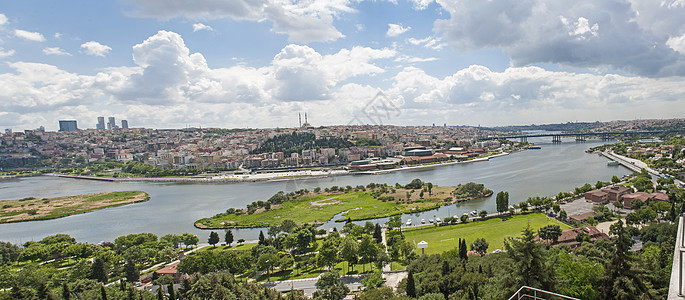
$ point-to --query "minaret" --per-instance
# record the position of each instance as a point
(305, 118)
(299, 117)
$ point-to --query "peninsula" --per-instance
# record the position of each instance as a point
(353, 203)
(32, 209)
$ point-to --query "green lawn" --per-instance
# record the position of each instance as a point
(319, 208)
(494, 231)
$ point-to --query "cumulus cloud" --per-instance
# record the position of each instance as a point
(421, 4)
(583, 33)
(95, 49)
(55, 51)
(477, 92)
(29, 36)
(170, 86)
(4, 53)
(677, 43)
(200, 26)
(302, 21)
(3, 19)
(434, 43)
(396, 29)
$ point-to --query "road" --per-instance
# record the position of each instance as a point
(308, 286)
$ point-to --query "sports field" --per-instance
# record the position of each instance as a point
(494, 231)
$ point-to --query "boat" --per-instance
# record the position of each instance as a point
(438, 220)
(534, 147)
(475, 212)
(613, 163)
(423, 221)
(431, 221)
(408, 222)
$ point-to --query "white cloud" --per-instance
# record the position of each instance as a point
(677, 43)
(200, 26)
(95, 49)
(396, 29)
(411, 59)
(170, 86)
(29, 36)
(421, 4)
(302, 21)
(7, 53)
(434, 43)
(58, 35)
(55, 51)
(3, 19)
(626, 36)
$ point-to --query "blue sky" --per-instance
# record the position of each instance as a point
(257, 63)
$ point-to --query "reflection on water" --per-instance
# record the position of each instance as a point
(173, 207)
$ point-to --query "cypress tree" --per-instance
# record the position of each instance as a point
(131, 272)
(378, 234)
(98, 271)
(262, 240)
(160, 296)
(170, 289)
(213, 238)
(65, 291)
(103, 292)
(411, 287)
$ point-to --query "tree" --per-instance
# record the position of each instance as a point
(374, 280)
(464, 218)
(529, 260)
(262, 239)
(66, 294)
(378, 234)
(367, 251)
(615, 179)
(228, 237)
(556, 208)
(8, 253)
(411, 285)
(103, 292)
(480, 245)
(563, 215)
(189, 239)
(349, 251)
(131, 272)
(550, 233)
(98, 271)
(394, 222)
(328, 253)
(213, 238)
(430, 188)
(330, 287)
(483, 213)
(170, 290)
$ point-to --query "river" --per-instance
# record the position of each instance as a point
(173, 207)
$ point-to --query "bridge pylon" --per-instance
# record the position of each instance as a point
(556, 139)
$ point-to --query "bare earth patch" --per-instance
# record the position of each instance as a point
(29, 209)
(323, 202)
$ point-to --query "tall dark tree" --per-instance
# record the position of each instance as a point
(551, 233)
(228, 237)
(103, 292)
(98, 270)
(411, 285)
(378, 234)
(262, 239)
(160, 296)
(130, 271)
(66, 294)
(213, 238)
(170, 290)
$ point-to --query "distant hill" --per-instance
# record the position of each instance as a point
(582, 126)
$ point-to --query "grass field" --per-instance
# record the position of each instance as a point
(31, 208)
(318, 208)
(494, 231)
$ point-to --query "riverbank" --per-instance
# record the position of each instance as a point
(33, 209)
(272, 176)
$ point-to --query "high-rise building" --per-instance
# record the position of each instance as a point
(112, 124)
(101, 123)
(68, 125)
(124, 124)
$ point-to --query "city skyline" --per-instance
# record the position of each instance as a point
(241, 64)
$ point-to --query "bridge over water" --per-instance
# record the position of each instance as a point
(556, 137)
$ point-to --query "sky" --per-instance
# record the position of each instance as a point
(259, 63)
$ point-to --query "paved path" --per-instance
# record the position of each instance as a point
(308, 286)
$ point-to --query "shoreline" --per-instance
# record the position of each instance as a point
(287, 176)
